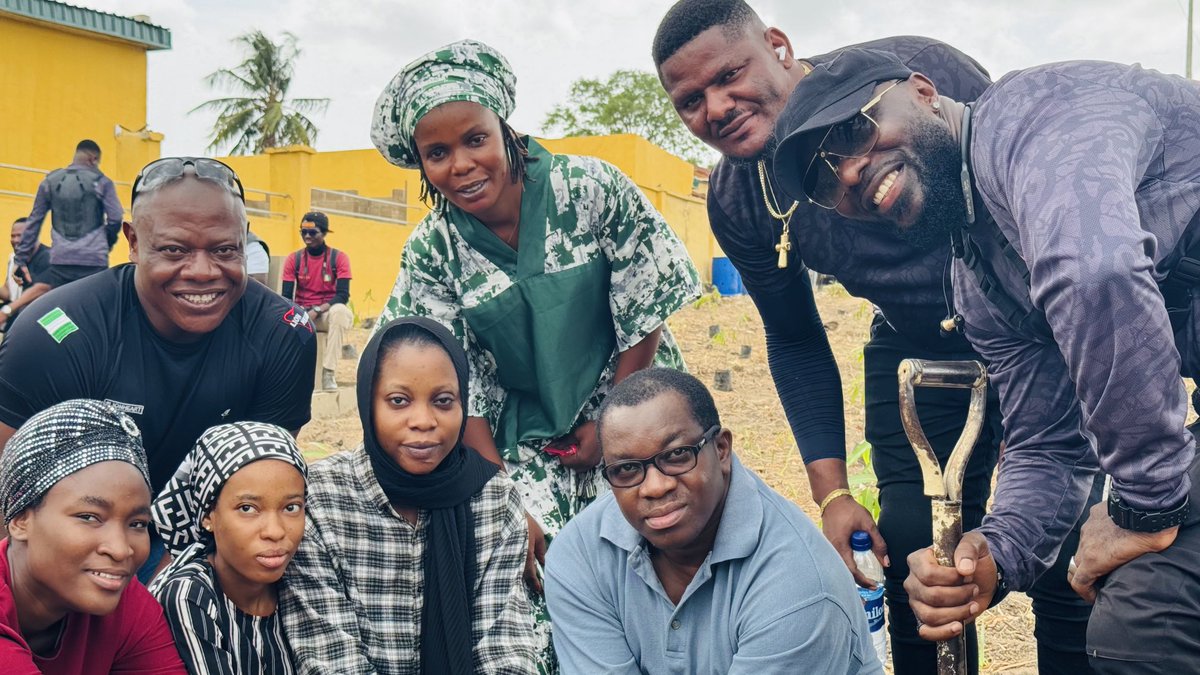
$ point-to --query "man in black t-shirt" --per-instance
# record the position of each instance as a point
(178, 339)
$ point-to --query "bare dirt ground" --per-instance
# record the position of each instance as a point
(713, 334)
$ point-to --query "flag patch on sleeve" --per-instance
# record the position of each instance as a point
(57, 324)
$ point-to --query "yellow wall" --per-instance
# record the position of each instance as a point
(61, 86)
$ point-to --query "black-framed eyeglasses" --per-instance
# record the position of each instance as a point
(161, 171)
(309, 231)
(853, 138)
(676, 461)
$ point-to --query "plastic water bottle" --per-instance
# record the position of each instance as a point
(868, 564)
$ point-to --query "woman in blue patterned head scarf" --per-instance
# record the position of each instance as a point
(554, 271)
(232, 518)
(75, 496)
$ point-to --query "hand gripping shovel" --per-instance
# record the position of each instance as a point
(944, 488)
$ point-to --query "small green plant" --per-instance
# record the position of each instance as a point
(719, 338)
(836, 290)
(862, 478)
(711, 297)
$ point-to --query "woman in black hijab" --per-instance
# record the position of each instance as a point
(414, 550)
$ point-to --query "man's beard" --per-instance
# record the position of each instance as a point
(767, 153)
(936, 162)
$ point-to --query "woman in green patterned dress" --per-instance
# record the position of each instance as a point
(554, 270)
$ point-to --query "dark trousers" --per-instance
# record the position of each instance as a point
(905, 520)
(61, 275)
(1147, 613)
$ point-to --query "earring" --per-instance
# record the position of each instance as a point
(937, 105)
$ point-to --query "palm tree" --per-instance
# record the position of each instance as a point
(263, 117)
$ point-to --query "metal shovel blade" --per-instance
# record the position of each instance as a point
(944, 487)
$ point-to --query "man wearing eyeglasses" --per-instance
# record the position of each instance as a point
(692, 564)
(317, 277)
(178, 339)
(729, 76)
(1071, 193)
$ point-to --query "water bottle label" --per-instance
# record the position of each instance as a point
(873, 604)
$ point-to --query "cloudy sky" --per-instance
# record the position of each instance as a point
(351, 48)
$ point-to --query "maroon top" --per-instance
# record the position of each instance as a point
(133, 640)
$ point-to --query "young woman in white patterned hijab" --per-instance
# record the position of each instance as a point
(232, 517)
(75, 496)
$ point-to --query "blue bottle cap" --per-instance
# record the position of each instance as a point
(860, 541)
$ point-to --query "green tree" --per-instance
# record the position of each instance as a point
(262, 116)
(628, 102)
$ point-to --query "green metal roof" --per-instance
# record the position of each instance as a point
(123, 28)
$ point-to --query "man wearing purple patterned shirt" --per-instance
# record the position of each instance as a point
(1080, 186)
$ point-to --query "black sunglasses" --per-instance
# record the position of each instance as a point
(676, 461)
(309, 232)
(850, 139)
(162, 171)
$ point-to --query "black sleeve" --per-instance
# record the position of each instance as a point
(342, 294)
(798, 353)
(38, 371)
(39, 266)
(288, 290)
(283, 395)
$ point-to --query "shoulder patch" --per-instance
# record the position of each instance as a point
(57, 324)
(296, 317)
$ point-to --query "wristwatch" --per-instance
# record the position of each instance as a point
(1128, 518)
(1002, 588)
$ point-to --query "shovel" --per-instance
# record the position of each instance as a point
(944, 487)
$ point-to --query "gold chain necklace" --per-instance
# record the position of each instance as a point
(785, 242)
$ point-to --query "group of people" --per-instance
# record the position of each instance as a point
(541, 487)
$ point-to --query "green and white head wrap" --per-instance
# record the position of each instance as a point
(461, 71)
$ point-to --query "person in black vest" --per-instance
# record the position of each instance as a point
(317, 277)
(86, 222)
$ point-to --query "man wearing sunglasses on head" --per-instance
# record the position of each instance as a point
(317, 277)
(1071, 195)
(729, 76)
(692, 564)
(178, 339)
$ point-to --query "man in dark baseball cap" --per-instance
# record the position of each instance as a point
(868, 104)
(830, 115)
(1071, 192)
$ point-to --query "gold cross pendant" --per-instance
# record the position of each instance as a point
(783, 247)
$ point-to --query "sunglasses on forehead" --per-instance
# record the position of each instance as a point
(162, 171)
(851, 139)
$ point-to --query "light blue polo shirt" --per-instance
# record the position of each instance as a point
(772, 597)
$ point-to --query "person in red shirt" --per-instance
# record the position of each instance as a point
(317, 277)
(75, 495)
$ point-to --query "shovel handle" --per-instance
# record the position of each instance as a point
(947, 531)
(913, 373)
(946, 374)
